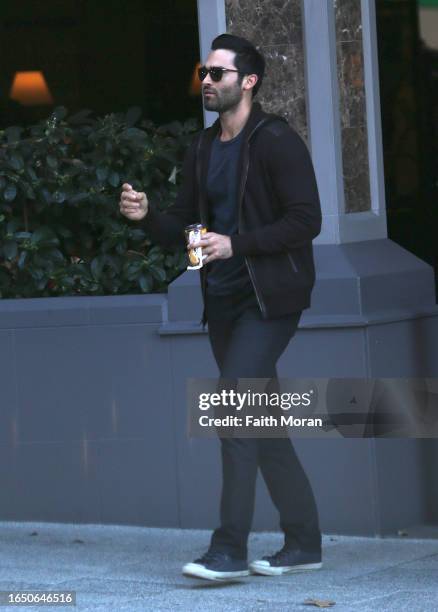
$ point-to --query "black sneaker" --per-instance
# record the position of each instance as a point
(216, 565)
(286, 561)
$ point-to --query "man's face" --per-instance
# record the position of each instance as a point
(227, 93)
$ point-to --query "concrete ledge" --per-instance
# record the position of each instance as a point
(178, 328)
(309, 321)
(82, 310)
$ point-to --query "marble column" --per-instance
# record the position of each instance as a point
(275, 28)
(352, 101)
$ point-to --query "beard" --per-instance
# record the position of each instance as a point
(223, 100)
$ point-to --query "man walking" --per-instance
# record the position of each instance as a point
(249, 178)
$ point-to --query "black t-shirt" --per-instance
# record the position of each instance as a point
(225, 276)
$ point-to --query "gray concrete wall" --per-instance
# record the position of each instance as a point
(93, 416)
(86, 429)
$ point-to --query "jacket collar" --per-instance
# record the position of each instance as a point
(256, 115)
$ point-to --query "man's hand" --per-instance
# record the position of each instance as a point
(215, 246)
(133, 204)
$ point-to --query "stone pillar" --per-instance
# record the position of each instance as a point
(276, 28)
(344, 113)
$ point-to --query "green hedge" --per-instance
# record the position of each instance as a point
(61, 232)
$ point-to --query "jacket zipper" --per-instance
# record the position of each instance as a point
(251, 274)
(293, 264)
(198, 176)
(242, 188)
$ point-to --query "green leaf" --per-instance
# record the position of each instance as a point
(22, 259)
(44, 235)
(52, 162)
(10, 192)
(155, 250)
(56, 255)
(102, 173)
(133, 270)
(136, 234)
(135, 266)
(158, 273)
(108, 244)
(114, 179)
(31, 173)
(40, 260)
(29, 192)
(67, 281)
(13, 226)
(97, 267)
(10, 249)
(46, 195)
(168, 155)
(78, 197)
(64, 232)
(16, 161)
(145, 282)
(134, 133)
(154, 257)
(59, 197)
(172, 177)
(112, 262)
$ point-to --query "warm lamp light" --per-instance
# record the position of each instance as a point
(195, 85)
(30, 88)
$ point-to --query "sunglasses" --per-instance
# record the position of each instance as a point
(216, 72)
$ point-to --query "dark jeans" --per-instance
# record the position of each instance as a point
(247, 346)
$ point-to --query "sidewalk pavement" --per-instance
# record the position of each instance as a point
(117, 568)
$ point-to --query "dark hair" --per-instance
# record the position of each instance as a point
(247, 61)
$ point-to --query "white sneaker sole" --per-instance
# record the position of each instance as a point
(263, 568)
(193, 570)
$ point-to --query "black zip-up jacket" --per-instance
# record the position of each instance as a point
(279, 210)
